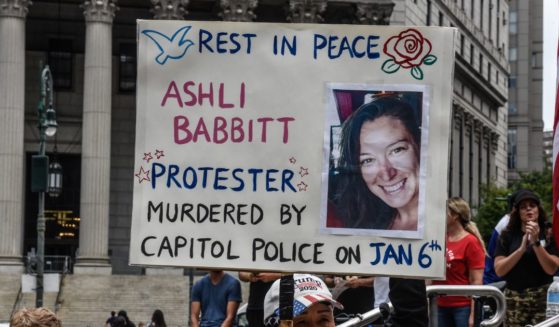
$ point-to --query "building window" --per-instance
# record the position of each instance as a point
(512, 108)
(513, 53)
(490, 17)
(471, 54)
(498, 32)
(60, 59)
(472, 9)
(428, 13)
(441, 18)
(480, 63)
(511, 150)
(512, 82)
(127, 67)
(513, 22)
(481, 15)
(534, 59)
(537, 60)
(62, 213)
(462, 45)
(489, 72)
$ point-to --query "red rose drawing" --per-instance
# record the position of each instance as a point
(408, 49)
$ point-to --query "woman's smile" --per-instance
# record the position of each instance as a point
(391, 189)
(389, 162)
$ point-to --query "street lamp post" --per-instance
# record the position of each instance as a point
(55, 175)
(47, 127)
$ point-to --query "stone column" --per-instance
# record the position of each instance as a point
(238, 10)
(461, 152)
(478, 163)
(306, 11)
(12, 110)
(487, 154)
(468, 156)
(494, 140)
(169, 9)
(96, 139)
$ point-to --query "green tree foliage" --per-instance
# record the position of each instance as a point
(495, 199)
(494, 206)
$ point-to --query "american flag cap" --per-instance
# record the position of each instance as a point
(308, 289)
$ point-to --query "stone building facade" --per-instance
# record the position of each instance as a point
(90, 47)
(525, 133)
(478, 141)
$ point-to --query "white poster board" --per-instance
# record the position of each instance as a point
(242, 161)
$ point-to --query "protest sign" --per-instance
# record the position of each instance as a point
(292, 147)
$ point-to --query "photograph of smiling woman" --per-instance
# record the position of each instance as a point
(374, 183)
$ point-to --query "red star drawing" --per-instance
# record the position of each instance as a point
(143, 175)
(147, 156)
(302, 186)
(159, 153)
(303, 171)
(292, 160)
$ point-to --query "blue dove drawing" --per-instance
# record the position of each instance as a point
(173, 47)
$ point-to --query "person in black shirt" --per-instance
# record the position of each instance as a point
(260, 283)
(358, 295)
(111, 320)
(409, 298)
(526, 261)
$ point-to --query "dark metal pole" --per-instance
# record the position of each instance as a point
(286, 300)
(478, 310)
(41, 210)
(44, 124)
(190, 283)
(40, 249)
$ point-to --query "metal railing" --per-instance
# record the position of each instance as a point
(58, 301)
(53, 264)
(467, 290)
(368, 317)
(551, 322)
(16, 303)
(435, 290)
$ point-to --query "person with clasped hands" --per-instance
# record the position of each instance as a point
(526, 261)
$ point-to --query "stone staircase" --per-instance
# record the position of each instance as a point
(28, 301)
(9, 288)
(87, 300)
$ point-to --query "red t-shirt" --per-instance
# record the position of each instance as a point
(461, 257)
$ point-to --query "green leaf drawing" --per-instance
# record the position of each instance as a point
(429, 60)
(390, 67)
(417, 73)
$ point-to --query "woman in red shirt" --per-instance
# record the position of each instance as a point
(465, 261)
